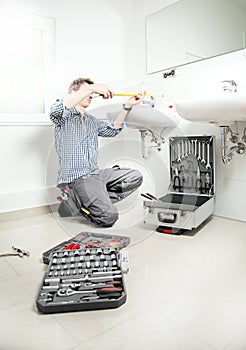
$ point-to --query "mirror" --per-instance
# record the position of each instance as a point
(193, 30)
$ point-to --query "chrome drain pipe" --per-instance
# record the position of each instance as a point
(226, 152)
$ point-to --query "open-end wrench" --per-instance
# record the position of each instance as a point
(189, 147)
(208, 166)
(182, 150)
(186, 149)
(179, 153)
(192, 147)
(203, 153)
(199, 151)
(195, 147)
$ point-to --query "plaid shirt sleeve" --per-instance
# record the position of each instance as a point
(107, 129)
(56, 112)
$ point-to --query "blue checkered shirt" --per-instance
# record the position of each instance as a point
(76, 141)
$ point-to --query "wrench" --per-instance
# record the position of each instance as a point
(87, 278)
(189, 147)
(192, 146)
(182, 150)
(179, 153)
(63, 292)
(208, 166)
(16, 252)
(195, 147)
(199, 151)
(186, 149)
(89, 285)
(203, 153)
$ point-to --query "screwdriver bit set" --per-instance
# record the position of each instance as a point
(82, 279)
(190, 198)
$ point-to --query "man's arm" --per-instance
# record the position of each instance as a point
(56, 112)
(133, 101)
(74, 98)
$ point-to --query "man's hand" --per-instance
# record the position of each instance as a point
(85, 91)
(135, 100)
(131, 102)
(102, 89)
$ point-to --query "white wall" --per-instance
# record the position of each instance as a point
(199, 79)
(108, 45)
(93, 39)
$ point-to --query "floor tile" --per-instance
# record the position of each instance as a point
(28, 330)
(214, 311)
(17, 290)
(183, 292)
(150, 330)
(239, 343)
(6, 270)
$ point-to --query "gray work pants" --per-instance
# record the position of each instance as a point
(97, 193)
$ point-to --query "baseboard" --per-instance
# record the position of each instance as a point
(24, 213)
(29, 199)
(17, 205)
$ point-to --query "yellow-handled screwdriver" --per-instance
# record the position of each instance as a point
(129, 94)
(123, 94)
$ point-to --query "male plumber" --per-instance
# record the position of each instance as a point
(92, 190)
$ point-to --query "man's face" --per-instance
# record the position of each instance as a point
(87, 100)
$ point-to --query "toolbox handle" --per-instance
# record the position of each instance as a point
(169, 218)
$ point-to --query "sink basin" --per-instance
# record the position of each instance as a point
(223, 108)
(141, 116)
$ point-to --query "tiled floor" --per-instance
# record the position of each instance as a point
(185, 292)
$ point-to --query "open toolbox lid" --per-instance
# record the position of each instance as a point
(192, 165)
(88, 240)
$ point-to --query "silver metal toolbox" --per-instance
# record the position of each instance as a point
(190, 199)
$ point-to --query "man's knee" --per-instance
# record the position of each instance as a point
(106, 219)
(133, 180)
(138, 178)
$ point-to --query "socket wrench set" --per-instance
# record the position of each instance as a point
(190, 198)
(89, 240)
(82, 279)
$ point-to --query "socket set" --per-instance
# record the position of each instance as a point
(89, 240)
(84, 279)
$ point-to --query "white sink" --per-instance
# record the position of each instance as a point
(141, 116)
(223, 108)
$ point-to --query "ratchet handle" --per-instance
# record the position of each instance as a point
(108, 290)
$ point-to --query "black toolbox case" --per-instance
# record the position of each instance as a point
(82, 279)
